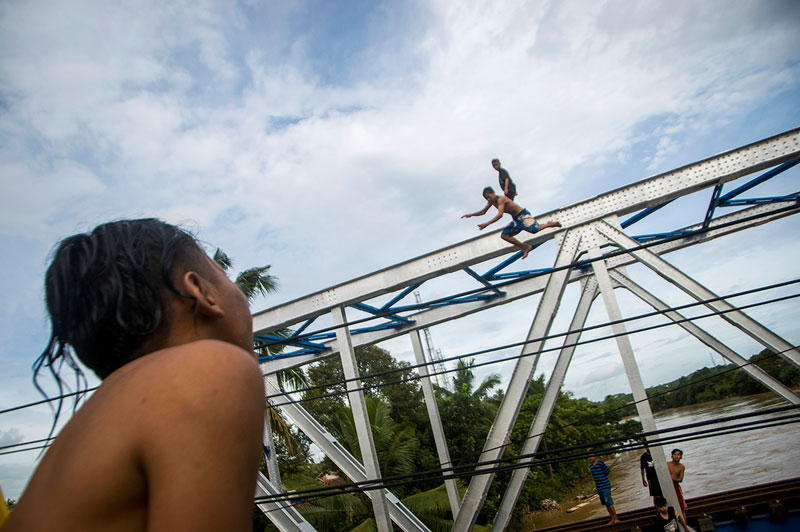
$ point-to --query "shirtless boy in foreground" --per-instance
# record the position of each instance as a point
(676, 471)
(521, 219)
(171, 439)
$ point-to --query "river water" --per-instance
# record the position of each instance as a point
(712, 464)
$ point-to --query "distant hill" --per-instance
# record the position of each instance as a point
(708, 384)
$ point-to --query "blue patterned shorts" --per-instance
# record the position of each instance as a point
(524, 221)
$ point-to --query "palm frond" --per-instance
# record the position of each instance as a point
(221, 258)
(255, 281)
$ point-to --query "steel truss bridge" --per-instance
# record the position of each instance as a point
(593, 248)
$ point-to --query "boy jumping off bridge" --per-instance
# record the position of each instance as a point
(521, 219)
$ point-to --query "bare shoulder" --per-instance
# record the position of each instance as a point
(198, 371)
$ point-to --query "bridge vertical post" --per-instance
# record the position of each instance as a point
(436, 421)
(724, 351)
(545, 410)
(343, 459)
(632, 372)
(358, 407)
(520, 380)
(269, 443)
(727, 311)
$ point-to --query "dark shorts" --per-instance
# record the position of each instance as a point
(524, 221)
(655, 487)
(605, 497)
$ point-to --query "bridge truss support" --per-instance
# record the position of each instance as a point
(592, 228)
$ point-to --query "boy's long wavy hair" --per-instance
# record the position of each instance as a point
(105, 295)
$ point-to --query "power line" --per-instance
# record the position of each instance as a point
(514, 357)
(526, 460)
(562, 334)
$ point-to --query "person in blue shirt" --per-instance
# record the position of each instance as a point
(600, 473)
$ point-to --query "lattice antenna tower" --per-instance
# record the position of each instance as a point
(434, 355)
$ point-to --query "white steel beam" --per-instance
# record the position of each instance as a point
(436, 421)
(545, 410)
(269, 443)
(525, 288)
(520, 380)
(282, 514)
(646, 193)
(632, 372)
(345, 461)
(360, 417)
(723, 350)
(727, 311)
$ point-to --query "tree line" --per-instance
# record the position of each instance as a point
(710, 384)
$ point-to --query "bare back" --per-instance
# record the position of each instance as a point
(170, 441)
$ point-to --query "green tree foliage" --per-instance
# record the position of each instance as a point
(467, 413)
(396, 444)
(721, 382)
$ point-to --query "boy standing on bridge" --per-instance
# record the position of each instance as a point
(676, 470)
(522, 219)
(600, 473)
(506, 184)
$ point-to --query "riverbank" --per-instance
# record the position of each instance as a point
(712, 464)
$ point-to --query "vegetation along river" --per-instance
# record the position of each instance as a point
(712, 464)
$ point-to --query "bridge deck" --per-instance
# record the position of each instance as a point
(775, 500)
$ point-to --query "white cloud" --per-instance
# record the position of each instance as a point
(219, 115)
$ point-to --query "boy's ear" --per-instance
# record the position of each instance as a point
(202, 292)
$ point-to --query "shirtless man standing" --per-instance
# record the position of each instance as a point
(676, 470)
(171, 439)
(521, 219)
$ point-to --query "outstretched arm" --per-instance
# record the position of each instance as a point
(501, 207)
(478, 213)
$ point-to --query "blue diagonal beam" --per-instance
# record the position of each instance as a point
(762, 201)
(644, 213)
(513, 258)
(482, 280)
(401, 295)
(375, 311)
(712, 205)
(723, 200)
(302, 327)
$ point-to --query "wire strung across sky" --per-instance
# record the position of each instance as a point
(567, 333)
(493, 349)
(601, 414)
(576, 264)
(634, 441)
(414, 377)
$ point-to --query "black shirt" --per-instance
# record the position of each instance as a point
(502, 176)
(670, 524)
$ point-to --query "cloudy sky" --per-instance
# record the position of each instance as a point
(332, 139)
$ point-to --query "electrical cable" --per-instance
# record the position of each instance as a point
(522, 463)
(522, 355)
(466, 470)
(490, 350)
(292, 496)
(559, 335)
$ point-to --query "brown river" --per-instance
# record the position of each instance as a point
(712, 464)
